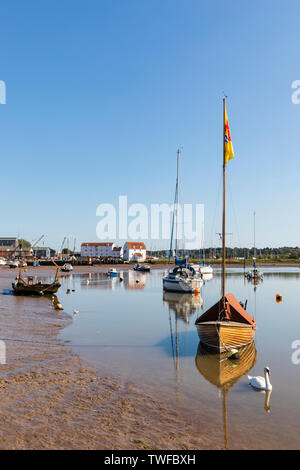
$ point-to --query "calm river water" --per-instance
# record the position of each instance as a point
(134, 331)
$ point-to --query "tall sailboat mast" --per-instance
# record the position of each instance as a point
(175, 213)
(177, 201)
(254, 249)
(224, 212)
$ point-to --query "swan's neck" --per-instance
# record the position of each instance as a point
(268, 383)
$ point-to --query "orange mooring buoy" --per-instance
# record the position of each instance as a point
(278, 298)
(196, 292)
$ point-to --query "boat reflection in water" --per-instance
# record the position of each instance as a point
(255, 281)
(134, 280)
(183, 305)
(126, 279)
(96, 280)
(207, 277)
(224, 371)
(180, 307)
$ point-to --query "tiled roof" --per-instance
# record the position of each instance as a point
(96, 244)
(136, 245)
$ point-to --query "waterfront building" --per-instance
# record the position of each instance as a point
(134, 251)
(8, 246)
(97, 250)
(43, 252)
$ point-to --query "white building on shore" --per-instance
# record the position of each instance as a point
(134, 251)
(101, 250)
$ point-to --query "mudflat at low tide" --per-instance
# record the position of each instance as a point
(128, 371)
(51, 399)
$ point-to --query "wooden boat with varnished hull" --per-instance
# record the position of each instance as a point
(222, 329)
(226, 325)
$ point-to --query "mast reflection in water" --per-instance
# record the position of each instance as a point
(224, 371)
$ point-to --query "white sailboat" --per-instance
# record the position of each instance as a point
(204, 268)
(184, 277)
(254, 274)
(181, 279)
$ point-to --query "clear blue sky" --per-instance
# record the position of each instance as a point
(101, 93)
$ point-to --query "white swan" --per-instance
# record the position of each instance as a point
(261, 383)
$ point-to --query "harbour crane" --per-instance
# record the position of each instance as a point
(35, 244)
(63, 244)
(37, 241)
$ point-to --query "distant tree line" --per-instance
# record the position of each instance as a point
(285, 252)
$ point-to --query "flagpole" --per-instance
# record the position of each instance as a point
(224, 211)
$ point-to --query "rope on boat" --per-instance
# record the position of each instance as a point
(232, 207)
(214, 220)
(51, 285)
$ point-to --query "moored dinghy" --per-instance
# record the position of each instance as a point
(183, 278)
(254, 275)
(144, 268)
(227, 328)
(226, 325)
(112, 272)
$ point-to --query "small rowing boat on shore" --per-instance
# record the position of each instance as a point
(67, 268)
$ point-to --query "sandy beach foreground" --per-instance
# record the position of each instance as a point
(51, 399)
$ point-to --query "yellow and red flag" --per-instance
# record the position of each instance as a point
(228, 148)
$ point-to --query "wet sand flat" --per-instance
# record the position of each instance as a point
(51, 399)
